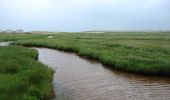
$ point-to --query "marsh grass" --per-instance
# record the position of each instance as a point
(22, 77)
(14, 37)
(136, 52)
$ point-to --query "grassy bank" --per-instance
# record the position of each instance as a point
(14, 37)
(136, 52)
(22, 77)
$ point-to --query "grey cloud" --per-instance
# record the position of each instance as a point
(79, 15)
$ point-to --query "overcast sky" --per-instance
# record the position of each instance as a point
(83, 15)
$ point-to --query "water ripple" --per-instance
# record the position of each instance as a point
(80, 79)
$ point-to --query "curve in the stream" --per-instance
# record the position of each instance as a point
(81, 79)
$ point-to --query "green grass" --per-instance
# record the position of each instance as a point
(22, 77)
(14, 37)
(137, 52)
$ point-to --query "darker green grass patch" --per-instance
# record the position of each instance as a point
(22, 77)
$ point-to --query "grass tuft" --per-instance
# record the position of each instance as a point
(22, 77)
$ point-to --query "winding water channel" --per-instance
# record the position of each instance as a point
(76, 78)
(79, 79)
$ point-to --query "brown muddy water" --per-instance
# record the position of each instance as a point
(76, 78)
(79, 79)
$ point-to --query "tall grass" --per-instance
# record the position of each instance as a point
(137, 52)
(22, 77)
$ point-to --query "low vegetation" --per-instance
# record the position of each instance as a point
(137, 52)
(22, 77)
(14, 37)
